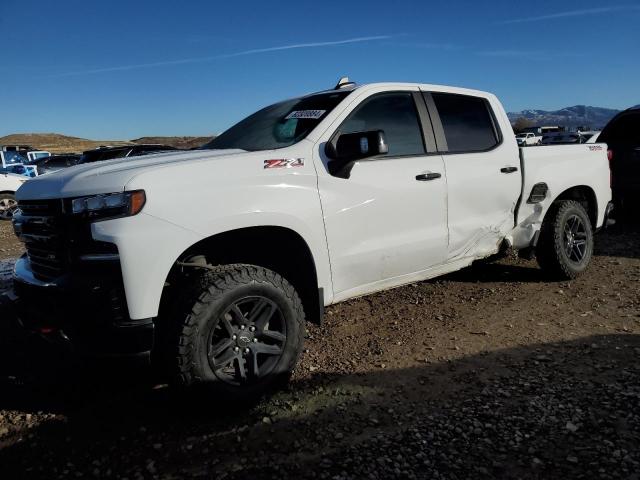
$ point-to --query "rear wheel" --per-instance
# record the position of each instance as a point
(8, 205)
(565, 246)
(240, 333)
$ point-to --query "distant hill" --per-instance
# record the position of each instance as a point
(576, 116)
(178, 142)
(57, 143)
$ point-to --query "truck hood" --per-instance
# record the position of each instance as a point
(111, 175)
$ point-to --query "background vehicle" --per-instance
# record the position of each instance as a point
(17, 162)
(56, 162)
(16, 148)
(526, 139)
(9, 184)
(11, 158)
(307, 202)
(564, 138)
(33, 156)
(622, 135)
(109, 153)
(593, 136)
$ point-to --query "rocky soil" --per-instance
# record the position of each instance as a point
(491, 372)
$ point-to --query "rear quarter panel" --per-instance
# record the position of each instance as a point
(561, 167)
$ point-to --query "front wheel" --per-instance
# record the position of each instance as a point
(8, 205)
(241, 331)
(565, 246)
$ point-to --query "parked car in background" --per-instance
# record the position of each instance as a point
(622, 136)
(11, 158)
(109, 153)
(560, 138)
(16, 148)
(14, 161)
(57, 162)
(21, 162)
(9, 184)
(34, 155)
(592, 137)
(527, 139)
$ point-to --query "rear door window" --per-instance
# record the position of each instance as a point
(467, 122)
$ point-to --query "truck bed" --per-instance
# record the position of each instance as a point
(561, 168)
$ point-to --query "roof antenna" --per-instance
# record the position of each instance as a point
(344, 83)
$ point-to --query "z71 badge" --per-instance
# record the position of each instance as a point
(284, 163)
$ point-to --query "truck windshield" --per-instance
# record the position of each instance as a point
(279, 125)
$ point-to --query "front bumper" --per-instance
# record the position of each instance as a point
(85, 310)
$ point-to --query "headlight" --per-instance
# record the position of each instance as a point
(110, 205)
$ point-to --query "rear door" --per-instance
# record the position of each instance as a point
(482, 168)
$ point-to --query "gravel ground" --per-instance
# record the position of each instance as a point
(492, 372)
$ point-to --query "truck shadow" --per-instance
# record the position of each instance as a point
(487, 415)
(505, 270)
(620, 240)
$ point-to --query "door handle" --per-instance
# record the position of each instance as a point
(425, 177)
(509, 169)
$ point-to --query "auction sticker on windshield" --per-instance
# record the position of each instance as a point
(312, 114)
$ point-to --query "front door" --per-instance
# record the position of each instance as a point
(388, 218)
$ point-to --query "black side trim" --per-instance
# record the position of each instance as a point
(425, 122)
(438, 130)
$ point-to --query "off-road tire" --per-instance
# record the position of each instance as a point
(202, 303)
(551, 251)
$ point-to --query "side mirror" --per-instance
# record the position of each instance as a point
(354, 146)
(346, 148)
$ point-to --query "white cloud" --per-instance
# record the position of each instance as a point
(529, 54)
(254, 51)
(573, 13)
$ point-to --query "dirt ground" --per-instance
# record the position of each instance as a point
(491, 372)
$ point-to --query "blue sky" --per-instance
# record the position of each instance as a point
(123, 69)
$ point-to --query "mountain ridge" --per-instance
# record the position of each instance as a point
(58, 143)
(573, 116)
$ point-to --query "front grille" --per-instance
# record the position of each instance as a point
(41, 207)
(40, 225)
(54, 240)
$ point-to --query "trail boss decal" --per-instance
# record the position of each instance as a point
(312, 114)
(284, 163)
(595, 148)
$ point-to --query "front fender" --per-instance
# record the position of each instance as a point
(149, 247)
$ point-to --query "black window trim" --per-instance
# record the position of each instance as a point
(426, 129)
(441, 140)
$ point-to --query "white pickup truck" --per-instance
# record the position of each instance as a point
(214, 259)
(528, 139)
